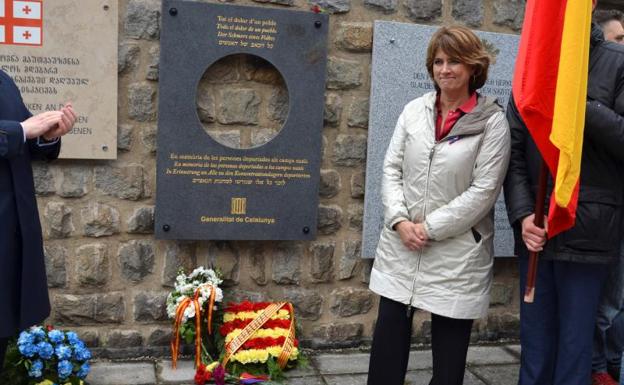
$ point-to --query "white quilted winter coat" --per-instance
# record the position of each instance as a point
(451, 186)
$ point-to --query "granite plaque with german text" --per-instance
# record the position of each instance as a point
(399, 74)
(221, 174)
(66, 50)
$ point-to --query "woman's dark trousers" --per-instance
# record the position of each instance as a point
(391, 346)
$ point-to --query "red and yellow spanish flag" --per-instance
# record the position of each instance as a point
(550, 91)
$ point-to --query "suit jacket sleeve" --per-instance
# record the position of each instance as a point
(44, 152)
(11, 139)
(11, 131)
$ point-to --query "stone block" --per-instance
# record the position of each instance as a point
(177, 255)
(350, 260)
(159, 337)
(278, 105)
(386, 6)
(228, 138)
(142, 221)
(261, 136)
(43, 178)
(238, 106)
(509, 13)
(227, 256)
(358, 182)
(358, 113)
(75, 181)
(136, 259)
(92, 265)
(330, 183)
(58, 218)
(126, 182)
(333, 109)
(333, 6)
(322, 261)
(329, 219)
(55, 257)
(100, 220)
(150, 307)
(355, 213)
(142, 19)
(128, 54)
(141, 102)
(286, 263)
(239, 295)
(343, 74)
(349, 301)
(424, 10)
(124, 137)
(307, 303)
(148, 138)
(349, 150)
(257, 270)
(356, 36)
(124, 338)
(205, 103)
(110, 308)
(337, 335)
(88, 309)
(468, 11)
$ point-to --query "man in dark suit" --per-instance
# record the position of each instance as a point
(23, 137)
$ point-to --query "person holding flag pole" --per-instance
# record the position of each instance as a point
(567, 138)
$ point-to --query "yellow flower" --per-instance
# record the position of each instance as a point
(260, 333)
(227, 317)
(261, 355)
(213, 365)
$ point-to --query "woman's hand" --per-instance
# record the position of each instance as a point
(413, 235)
(534, 237)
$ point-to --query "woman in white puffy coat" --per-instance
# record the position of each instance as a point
(442, 174)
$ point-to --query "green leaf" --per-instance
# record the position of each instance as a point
(275, 372)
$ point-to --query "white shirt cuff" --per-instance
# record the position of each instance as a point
(41, 143)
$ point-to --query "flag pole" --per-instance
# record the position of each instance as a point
(529, 291)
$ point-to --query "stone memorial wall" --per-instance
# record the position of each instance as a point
(109, 275)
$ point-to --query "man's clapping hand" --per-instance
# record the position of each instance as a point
(50, 124)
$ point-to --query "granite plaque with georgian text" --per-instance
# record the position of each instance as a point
(207, 188)
(399, 74)
(66, 50)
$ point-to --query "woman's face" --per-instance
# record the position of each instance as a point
(449, 74)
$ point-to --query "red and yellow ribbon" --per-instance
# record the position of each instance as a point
(263, 317)
(175, 340)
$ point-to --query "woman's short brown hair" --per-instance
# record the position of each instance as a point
(461, 44)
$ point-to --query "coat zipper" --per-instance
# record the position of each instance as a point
(420, 252)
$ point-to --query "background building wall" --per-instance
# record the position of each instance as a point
(109, 277)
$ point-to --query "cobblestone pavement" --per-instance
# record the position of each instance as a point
(487, 365)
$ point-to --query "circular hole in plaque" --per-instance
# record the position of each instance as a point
(242, 101)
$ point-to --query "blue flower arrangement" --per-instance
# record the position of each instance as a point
(53, 357)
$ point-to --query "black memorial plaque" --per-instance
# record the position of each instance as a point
(206, 190)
